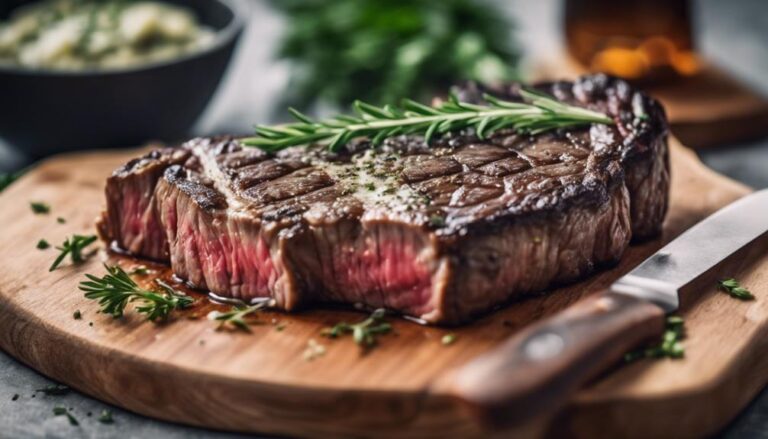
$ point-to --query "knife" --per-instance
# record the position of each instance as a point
(535, 372)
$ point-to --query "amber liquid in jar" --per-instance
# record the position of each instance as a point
(634, 39)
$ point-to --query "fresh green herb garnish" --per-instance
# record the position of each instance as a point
(383, 50)
(364, 333)
(74, 247)
(42, 244)
(39, 208)
(116, 289)
(437, 220)
(62, 411)
(141, 270)
(7, 179)
(240, 316)
(61, 220)
(539, 113)
(77, 315)
(671, 345)
(54, 390)
(448, 339)
(732, 287)
(106, 417)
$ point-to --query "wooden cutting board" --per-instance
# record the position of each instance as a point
(188, 372)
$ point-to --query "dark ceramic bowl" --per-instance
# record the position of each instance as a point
(43, 112)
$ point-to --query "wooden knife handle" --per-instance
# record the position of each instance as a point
(536, 371)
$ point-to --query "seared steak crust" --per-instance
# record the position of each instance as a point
(441, 232)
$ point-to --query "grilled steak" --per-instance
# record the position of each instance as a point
(441, 232)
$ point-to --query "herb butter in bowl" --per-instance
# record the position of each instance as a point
(101, 73)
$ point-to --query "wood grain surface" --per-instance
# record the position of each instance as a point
(188, 372)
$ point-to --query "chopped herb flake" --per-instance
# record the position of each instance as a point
(140, 270)
(7, 179)
(77, 315)
(61, 220)
(106, 417)
(732, 287)
(42, 244)
(54, 390)
(62, 411)
(448, 339)
(670, 346)
(436, 220)
(39, 208)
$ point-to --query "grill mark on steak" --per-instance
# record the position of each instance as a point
(440, 232)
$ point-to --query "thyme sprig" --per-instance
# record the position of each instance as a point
(74, 247)
(537, 114)
(364, 333)
(116, 289)
(734, 289)
(240, 317)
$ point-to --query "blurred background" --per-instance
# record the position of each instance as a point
(221, 66)
(705, 59)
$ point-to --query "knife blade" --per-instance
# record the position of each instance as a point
(537, 370)
(660, 277)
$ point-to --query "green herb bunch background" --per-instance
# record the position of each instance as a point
(381, 51)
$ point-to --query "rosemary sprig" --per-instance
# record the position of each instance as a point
(240, 316)
(670, 346)
(74, 247)
(537, 114)
(364, 333)
(116, 289)
(734, 288)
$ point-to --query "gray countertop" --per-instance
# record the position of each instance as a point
(733, 34)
